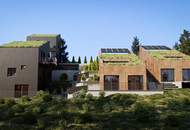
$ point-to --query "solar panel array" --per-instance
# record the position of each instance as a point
(156, 47)
(115, 50)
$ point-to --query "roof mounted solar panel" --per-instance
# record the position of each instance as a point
(156, 48)
(115, 50)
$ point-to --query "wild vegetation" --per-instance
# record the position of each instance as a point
(119, 111)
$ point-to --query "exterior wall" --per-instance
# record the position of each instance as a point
(123, 71)
(154, 66)
(14, 58)
(57, 73)
(52, 40)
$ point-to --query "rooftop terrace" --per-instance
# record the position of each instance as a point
(121, 59)
(23, 44)
(169, 55)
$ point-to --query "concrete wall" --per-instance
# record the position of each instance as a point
(123, 71)
(14, 58)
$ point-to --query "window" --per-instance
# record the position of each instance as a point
(167, 75)
(11, 71)
(23, 67)
(21, 90)
(135, 82)
(186, 74)
(111, 82)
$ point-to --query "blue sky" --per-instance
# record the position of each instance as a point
(88, 25)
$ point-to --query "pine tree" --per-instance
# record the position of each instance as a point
(62, 56)
(176, 46)
(73, 60)
(85, 60)
(135, 46)
(185, 42)
(79, 60)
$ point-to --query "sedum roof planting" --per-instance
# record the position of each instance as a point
(23, 44)
(131, 59)
(44, 35)
(169, 55)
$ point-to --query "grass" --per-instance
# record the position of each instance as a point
(23, 44)
(131, 59)
(44, 35)
(163, 55)
(170, 111)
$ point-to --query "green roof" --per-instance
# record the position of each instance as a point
(23, 44)
(131, 59)
(169, 55)
(44, 35)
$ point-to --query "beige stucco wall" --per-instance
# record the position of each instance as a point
(14, 58)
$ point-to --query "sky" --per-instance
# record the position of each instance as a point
(88, 25)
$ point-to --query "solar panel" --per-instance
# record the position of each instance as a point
(156, 47)
(115, 50)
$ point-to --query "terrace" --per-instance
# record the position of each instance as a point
(121, 59)
(24, 44)
(169, 55)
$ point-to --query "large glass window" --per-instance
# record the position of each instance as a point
(167, 75)
(111, 82)
(135, 82)
(186, 74)
(21, 90)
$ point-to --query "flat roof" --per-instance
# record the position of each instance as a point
(153, 47)
(24, 44)
(44, 35)
(121, 59)
(169, 55)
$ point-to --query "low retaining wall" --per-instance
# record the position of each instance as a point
(107, 93)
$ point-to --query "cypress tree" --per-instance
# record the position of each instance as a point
(79, 60)
(73, 60)
(85, 60)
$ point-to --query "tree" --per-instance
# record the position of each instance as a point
(79, 60)
(73, 60)
(85, 60)
(62, 56)
(97, 63)
(176, 46)
(91, 60)
(184, 44)
(135, 46)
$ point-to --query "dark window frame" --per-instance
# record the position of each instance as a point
(135, 86)
(11, 72)
(21, 90)
(185, 69)
(167, 69)
(113, 85)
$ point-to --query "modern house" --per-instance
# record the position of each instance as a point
(56, 45)
(54, 40)
(25, 68)
(120, 70)
(166, 66)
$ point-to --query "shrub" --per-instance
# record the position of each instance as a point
(145, 112)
